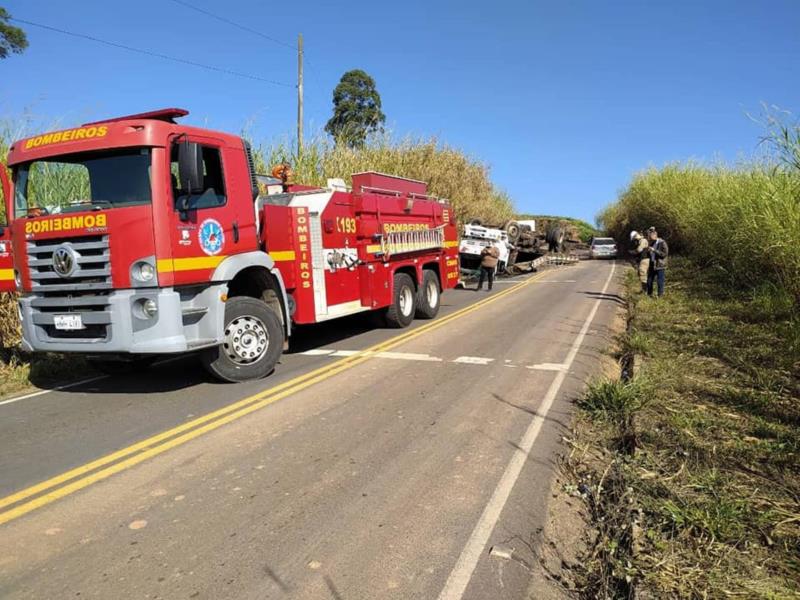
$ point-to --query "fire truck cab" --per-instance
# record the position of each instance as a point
(136, 237)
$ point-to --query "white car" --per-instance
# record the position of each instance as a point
(603, 248)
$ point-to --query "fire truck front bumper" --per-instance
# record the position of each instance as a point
(136, 321)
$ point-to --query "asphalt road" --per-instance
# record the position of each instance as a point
(386, 474)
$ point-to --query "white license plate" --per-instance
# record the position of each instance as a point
(67, 322)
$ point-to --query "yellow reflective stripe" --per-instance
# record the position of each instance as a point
(282, 255)
(373, 248)
(6, 274)
(195, 263)
(451, 243)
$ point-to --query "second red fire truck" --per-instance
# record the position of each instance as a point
(136, 237)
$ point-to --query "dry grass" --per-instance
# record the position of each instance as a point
(449, 172)
(706, 501)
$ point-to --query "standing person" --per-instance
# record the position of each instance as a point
(489, 257)
(658, 262)
(641, 257)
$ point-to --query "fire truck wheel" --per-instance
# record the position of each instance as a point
(252, 344)
(401, 312)
(428, 296)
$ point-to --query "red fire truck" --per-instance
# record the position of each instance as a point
(136, 236)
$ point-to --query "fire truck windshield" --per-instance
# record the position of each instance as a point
(85, 181)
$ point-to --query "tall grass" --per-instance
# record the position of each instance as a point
(743, 221)
(714, 474)
(449, 172)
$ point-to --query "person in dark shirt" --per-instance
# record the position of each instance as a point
(656, 274)
(489, 257)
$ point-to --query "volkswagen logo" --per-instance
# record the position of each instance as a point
(64, 261)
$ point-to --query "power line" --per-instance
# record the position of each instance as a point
(234, 24)
(152, 53)
(308, 64)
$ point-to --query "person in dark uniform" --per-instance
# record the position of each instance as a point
(489, 257)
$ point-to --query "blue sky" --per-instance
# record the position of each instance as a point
(564, 100)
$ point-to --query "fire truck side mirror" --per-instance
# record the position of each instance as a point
(190, 167)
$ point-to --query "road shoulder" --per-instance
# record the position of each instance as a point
(559, 547)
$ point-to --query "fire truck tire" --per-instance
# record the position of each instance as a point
(401, 312)
(121, 366)
(252, 343)
(428, 296)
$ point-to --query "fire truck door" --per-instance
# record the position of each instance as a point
(6, 265)
(340, 251)
(207, 230)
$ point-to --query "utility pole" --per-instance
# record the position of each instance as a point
(299, 93)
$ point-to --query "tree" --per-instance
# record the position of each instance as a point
(12, 39)
(356, 109)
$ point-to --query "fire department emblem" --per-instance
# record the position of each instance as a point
(212, 237)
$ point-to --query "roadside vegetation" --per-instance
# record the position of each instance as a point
(693, 485)
(742, 221)
(449, 173)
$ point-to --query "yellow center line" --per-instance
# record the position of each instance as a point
(181, 434)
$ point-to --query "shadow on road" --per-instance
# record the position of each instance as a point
(600, 296)
(169, 376)
(530, 411)
(310, 337)
(177, 373)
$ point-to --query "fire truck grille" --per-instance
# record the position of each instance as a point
(84, 292)
(92, 270)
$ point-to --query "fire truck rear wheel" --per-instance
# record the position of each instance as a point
(401, 312)
(252, 342)
(428, 298)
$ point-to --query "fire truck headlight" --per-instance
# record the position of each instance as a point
(146, 272)
(143, 272)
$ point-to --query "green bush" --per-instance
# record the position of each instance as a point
(615, 400)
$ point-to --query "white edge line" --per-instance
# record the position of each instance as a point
(55, 389)
(462, 572)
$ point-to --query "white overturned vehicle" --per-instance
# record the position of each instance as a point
(518, 241)
(477, 237)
